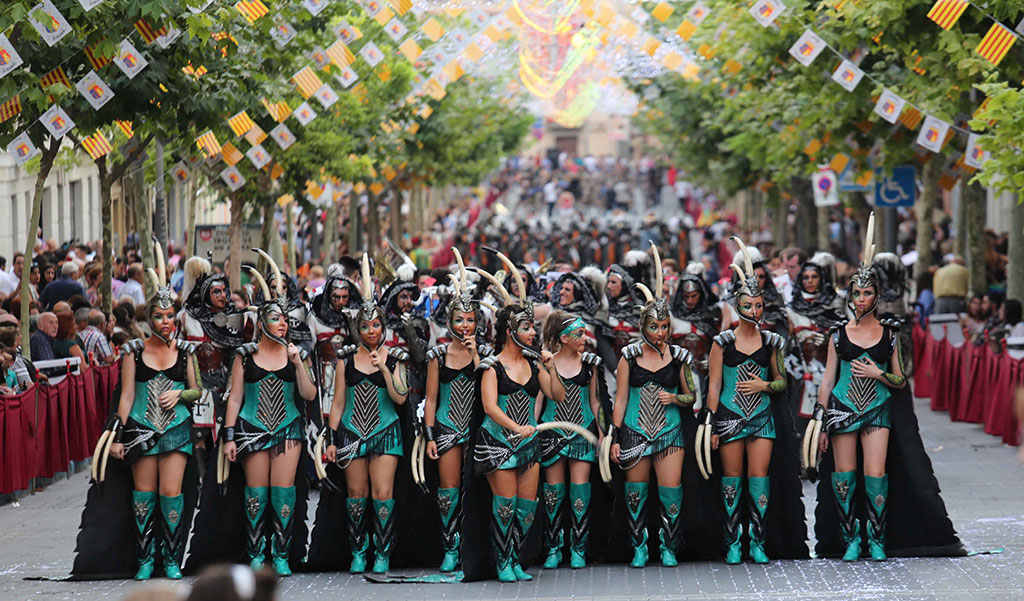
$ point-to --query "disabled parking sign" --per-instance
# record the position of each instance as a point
(897, 190)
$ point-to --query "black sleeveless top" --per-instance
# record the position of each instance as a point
(176, 372)
(255, 373)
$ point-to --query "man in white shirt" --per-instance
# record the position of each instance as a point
(133, 285)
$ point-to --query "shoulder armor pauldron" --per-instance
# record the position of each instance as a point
(632, 351)
(681, 354)
(774, 340)
(485, 350)
(246, 349)
(188, 346)
(835, 329)
(437, 352)
(132, 346)
(487, 363)
(724, 338)
(892, 323)
(398, 354)
(591, 359)
(347, 350)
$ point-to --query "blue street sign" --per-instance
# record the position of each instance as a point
(898, 190)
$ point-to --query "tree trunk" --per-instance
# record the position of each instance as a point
(372, 224)
(160, 201)
(330, 232)
(47, 155)
(822, 241)
(960, 241)
(396, 216)
(267, 233)
(353, 223)
(974, 196)
(923, 211)
(191, 193)
(106, 214)
(780, 231)
(289, 221)
(806, 221)
(143, 225)
(234, 263)
(1015, 269)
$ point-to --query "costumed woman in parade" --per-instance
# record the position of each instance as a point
(814, 311)
(364, 433)
(151, 431)
(654, 392)
(448, 411)
(582, 377)
(863, 399)
(774, 305)
(264, 426)
(745, 370)
(506, 448)
(583, 293)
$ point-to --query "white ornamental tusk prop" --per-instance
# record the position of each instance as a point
(659, 275)
(462, 270)
(161, 265)
(604, 459)
(366, 281)
(105, 456)
(698, 444)
(278, 280)
(646, 292)
(869, 240)
(512, 269)
(417, 460)
(318, 458)
(574, 428)
(96, 454)
(497, 284)
(153, 276)
(256, 275)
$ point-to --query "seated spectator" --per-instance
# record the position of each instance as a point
(8, 379)
(10, 336)
(91, 324)
(41, 342)
(66, 344)
(64, 288)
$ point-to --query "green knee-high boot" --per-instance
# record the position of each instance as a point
(282, 498)
(503, 510)
(526, 513)
(358, 538)
(732, 489)
(143, 504)
(451, 521)
(877, 490)
(579, 502)
(671, 533)
(636, 519)
(255, 507)
(554, 539)
(759, 494)
(844, 484)
(383, 534)
(173, 544)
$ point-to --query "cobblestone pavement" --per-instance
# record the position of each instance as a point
(982, 483)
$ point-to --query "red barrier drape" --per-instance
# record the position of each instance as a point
(974, 385)
(44, 429)
(1003, 419)
(995, 376)
(944, 375)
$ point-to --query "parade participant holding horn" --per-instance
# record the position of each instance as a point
(745, 368)
(364, 433)
(506, 448)
(152, 430)
(654, 389)
(451, 394)
(264, 424)
(582, 377)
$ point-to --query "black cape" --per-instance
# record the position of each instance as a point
(918, 525)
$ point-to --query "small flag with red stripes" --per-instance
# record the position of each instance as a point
(57, 76)
(230, 154)
(241, 123)
(126, 128)
(340, 54)
(97, 60)
(147, 32)
(251, 9)
(996, 43)
(97, 145)
(10, 108)
(307, 82)
(402, 6)
(947, 12)
(839, 163)
(208, 144)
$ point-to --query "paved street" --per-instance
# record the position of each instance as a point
(982, 484)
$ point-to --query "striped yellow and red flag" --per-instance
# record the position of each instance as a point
(384, 16)
(672, 61)
(996, 43)
(278, 111)
(651, 46)
(947, 182)
(402, 6)
(194, 72)
(454, 70)
(276, 171)
(662, 11)
(98, 61)
(251, 9)
(307, 82)
(97, 145)
(340, 54)
(706, 51)
(411, 50)
(947, 12)
(628, 30)
(473, 52)
(433, 29)
(57, 76)
(230, 154)
(911, 118)
(686, 29)
(376, 188)
(126, 128)
(208, 144)
(839, 162)
(813, 147)
(864, 178)
(255, 135)
(10, 108)
(241, 123)
(147, 32)
(732, 66)
(384, 72)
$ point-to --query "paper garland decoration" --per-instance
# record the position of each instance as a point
(933, 133)
(96, 91)
(233, 178)
(129, 60)
(848, 75)
(57, 122)
(807, 48)
(47, 20)
(283, 136)
(9, 58)
(889, 106)
(22, 148)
